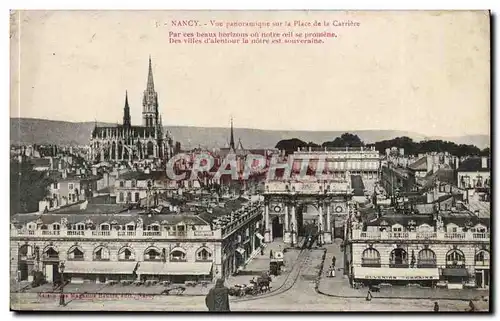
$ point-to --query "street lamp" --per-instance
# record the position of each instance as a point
(292, 234)
(61, 296)
(320, 236)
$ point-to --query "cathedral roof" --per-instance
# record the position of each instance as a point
(124, 131)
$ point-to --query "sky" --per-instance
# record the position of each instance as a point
(423, 72)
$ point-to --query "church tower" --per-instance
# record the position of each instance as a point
(150, 102)
(126, 113)
(231, 141)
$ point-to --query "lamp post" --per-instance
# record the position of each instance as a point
(291, 225)
(61, 296)
(320, 236)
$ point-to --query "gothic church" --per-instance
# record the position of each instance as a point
(128, 143)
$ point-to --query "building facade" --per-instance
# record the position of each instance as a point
(118, 245)
(356, 160)
(450, 249)
(126, 142)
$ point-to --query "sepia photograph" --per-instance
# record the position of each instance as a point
(250, 161)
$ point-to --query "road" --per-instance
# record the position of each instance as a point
(301, 296)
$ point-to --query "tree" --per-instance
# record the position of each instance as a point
(291, 145)
(27, 187)
(345, 140)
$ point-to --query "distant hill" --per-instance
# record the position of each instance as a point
(42, 131)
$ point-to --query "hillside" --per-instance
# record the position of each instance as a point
(42, 131)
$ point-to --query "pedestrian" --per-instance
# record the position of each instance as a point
(270, 254)
(334, 260)
(217, 299)
(261, 250)
(436, 307)
(369, 296)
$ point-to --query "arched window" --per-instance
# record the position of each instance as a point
(203, 254)
(178, 255)
(101, 253)
(370, 258)
(25, 252)
(398, 258)
(122, 183)
(50, 254)
(152, 254)
(120, 197)
(426, 258)
(75, 253)
(126, 254)
(105, 227)
(455, 258)
(482, 258)
(129, 196)
(56, 226)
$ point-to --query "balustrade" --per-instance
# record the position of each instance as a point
(365, 235)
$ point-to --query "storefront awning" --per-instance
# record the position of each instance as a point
(99, 267)
(455, 272)
(175, 268)
(259, 236)
(396, 273)
(240, 250)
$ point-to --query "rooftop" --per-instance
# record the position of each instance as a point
(474, 164)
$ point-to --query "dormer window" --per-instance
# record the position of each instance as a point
(122, 183)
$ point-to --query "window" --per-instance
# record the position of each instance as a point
(134, 183)
(137, 198)
(56, 227)
(54, 186)
(203, 255)
(455, 258)
(70, 186)
(121, 197)
(398, 258)
(482, 258)
(80, 227)
(152, 255)
(177, 256)
(122, 183)
(370, 258)
(126, 254)
(50, 253)
(129, 197)
(454, 230)
(101, 254)
(426, 258)
(105, 227)
(75, 253)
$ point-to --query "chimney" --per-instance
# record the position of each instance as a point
(430, 197)
(484, 162)
(429, 162)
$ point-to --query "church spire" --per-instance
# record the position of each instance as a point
(151, 86)
(231, 142)
(126, 112)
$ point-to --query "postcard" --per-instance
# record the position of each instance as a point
(244, 161)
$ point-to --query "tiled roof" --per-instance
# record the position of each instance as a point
(419, 165)
(40, 162)
(474, 164)
(141, 176)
